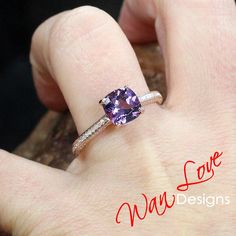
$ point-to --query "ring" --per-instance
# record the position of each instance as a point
(120, 106)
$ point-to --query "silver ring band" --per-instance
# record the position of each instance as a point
(104, 121)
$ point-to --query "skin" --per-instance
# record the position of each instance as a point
(78, 57)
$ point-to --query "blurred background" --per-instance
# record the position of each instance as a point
(20, 109)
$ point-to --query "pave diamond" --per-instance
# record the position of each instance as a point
(121, 106)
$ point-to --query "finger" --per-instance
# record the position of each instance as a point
(48, 91)
(197, 40)
(137, 19)
(25, 185)
(88, 56)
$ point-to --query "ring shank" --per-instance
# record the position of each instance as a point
(104, 121)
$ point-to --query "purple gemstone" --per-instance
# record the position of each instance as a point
(121, 106)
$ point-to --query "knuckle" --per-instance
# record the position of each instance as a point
(76, 24)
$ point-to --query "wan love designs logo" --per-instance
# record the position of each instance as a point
(159, 204)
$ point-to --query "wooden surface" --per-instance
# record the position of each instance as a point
(50, 142)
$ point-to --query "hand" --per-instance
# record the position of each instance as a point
(78, 57)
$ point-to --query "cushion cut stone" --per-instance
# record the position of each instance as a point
(121, 106)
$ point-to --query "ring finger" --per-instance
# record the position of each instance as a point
(84, 54)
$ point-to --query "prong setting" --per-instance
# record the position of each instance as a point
(102, 101)
(141, 109)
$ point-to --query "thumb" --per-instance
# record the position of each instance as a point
(25, 185)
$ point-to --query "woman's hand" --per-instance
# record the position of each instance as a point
(81, 55)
